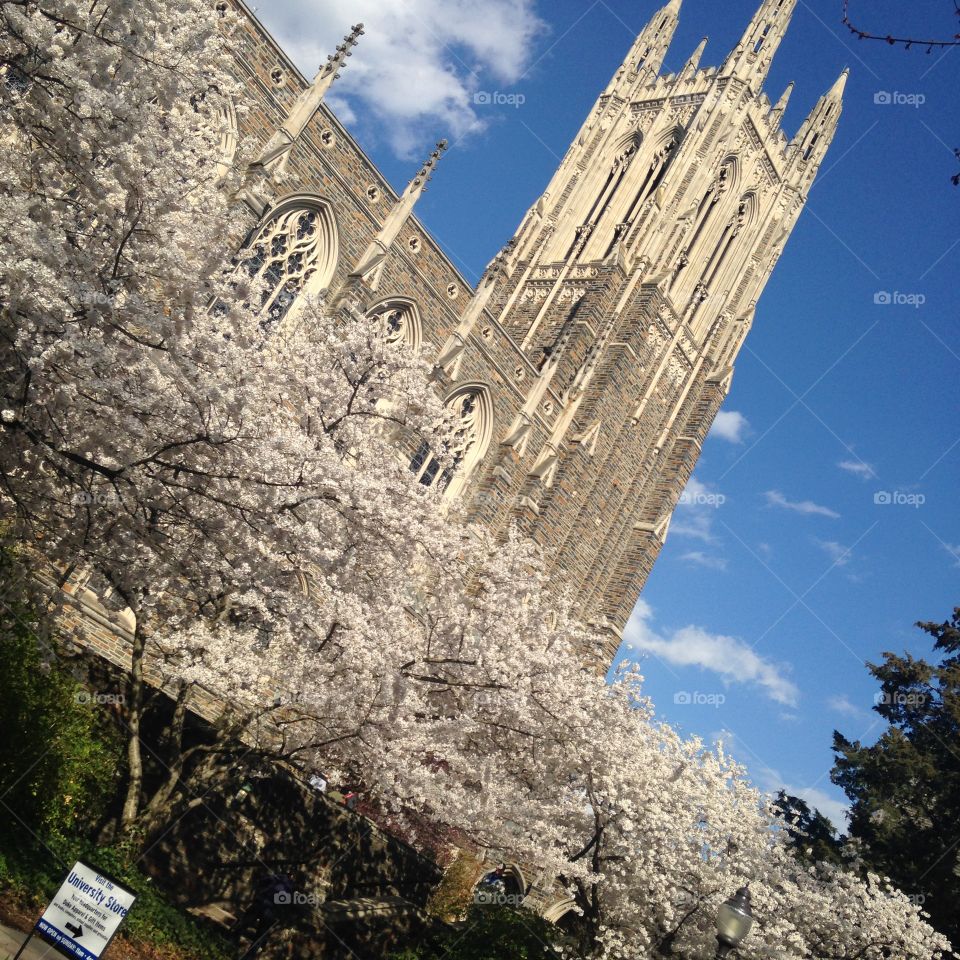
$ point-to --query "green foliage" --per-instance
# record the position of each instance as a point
(60, 756)
(812, 836)
(491, 933)
(58, 775)
(34, 877)
(905, 788)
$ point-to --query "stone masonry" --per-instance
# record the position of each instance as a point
(594, 354)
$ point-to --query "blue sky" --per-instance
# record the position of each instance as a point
(782, 573)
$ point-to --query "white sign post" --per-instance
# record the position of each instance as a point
(85, 913)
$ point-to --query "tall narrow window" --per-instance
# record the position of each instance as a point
(705, 212)
(651, 183)
(762, 39)
(466, 447)
(226, 118)
(813, 143)
(615, 177)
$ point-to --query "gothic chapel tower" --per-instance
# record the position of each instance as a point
(594, 354)
(630, 286)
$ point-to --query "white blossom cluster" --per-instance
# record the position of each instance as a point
(243, 491)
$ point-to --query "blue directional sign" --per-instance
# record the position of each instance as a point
(85, 913)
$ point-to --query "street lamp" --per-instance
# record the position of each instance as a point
(734, 920)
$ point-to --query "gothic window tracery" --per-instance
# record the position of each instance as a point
(293, 250)
(711, 202)
(648, 188)
(469, 409)
(402, 321)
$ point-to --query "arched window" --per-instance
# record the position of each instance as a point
(402, 320)
(295, 249)
(742, 217)
(625, 153)
(504, 886)
(727, 178)
(761, 39)
(652, 179)
(471, 410)
(728, 250)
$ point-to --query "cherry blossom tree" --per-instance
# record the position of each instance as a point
(154, 432)
(240, 489)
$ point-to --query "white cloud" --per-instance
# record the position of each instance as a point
(858, 468)
(729, 425)
(769, 780)
(837, 552)
(732, 659)
(694, 514)
(841, 704)
(836, 811)
(701, 559)
(807, 507)
(419, 65)
(954, 550)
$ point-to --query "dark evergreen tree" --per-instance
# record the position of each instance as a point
(813, 837)
(905, 788)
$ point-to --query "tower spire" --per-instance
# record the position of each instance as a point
(816, 133)
(398, 216)
(648, 50)
(693, 63)
(776, 115)
(751, 58)
(273, 156)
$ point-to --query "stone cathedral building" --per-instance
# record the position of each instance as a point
(590, 361)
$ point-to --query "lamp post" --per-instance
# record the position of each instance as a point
(734, 920)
